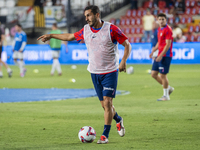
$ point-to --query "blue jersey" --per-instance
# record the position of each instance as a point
(154, 37)
(19, 39)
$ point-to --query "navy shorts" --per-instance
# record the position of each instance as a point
(105, 84)
(162, 66)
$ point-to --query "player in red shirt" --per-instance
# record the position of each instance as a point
(162, 62)
(101, 39)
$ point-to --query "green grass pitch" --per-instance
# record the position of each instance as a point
(149, 124)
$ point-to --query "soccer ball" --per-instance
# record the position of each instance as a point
(87, 134)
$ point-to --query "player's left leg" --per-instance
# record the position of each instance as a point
(7, 68)
(164, 66)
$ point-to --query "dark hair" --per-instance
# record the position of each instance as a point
(162, 15)
(19, 25)
(94, 9)
(55, 25)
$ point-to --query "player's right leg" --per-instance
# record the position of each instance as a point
(155, 71)
(164, 66)
(1, 73)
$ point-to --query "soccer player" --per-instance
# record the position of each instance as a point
(102, 40)
(9, 71)
(18, 48)
(162, 62)
(55, 45)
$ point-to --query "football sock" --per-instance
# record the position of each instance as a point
(166, 92)
(21, 66)
(58, 68)
(53, 66)
(117, 118)
(106, 130)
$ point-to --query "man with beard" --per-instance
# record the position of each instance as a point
(101, 40)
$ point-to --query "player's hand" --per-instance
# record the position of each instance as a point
(44, 38)
(122, 66)
(158, 59)
(20, 51)
(150, 56)
(13, 50)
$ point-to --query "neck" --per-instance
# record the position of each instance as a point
(99, 24)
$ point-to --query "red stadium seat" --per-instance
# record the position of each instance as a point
(161, 4)
(127, 21)
(183, 20)
(127, 31)
(112, 20)
(192, 3)
(191, 29)
(189, 19)
(138, 21)
(188, 11)
(128, 13)
(139, 30)
(133, 21)
(197, 28)
(131, 39)
(198, 10)
(193, 11)
(134, 13)
(171, 20)
(122, 21)
(132, 30)
(198, 38)
(187, 3)
(137, 39)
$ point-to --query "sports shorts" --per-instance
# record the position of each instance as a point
(55, 53)
(162, 66)
(105, 84)
(17, 55)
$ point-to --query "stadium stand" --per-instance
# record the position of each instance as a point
(188, 21)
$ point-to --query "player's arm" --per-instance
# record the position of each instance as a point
(127, 51)
(63, 37)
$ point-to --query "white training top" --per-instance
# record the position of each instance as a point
(103, 53)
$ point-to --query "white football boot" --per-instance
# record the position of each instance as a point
(120, 128)
(102, 140)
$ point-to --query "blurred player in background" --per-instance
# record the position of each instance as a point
(9, 71)
(102, 40)
(154, 38)
(19, 44)
(55, 45)
(162, 62)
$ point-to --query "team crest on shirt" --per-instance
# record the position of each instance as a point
(160, 34)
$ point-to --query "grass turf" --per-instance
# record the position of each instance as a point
(150, 125)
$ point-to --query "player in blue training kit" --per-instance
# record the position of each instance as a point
(18, 48)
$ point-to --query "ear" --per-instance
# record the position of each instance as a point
(98, 15)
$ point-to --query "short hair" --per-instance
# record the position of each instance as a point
(19, 25)
(162, 15)
(55, 25)
(94, 9)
